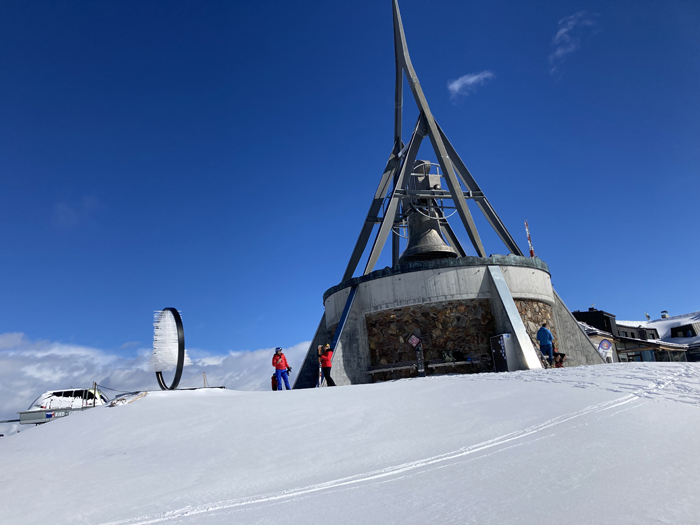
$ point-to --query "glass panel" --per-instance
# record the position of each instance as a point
(662, 355)
(678, 356)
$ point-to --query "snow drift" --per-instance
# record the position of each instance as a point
(599, 444)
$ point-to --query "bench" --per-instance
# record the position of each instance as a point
(408, 365)
(438, 364)
(390, 367)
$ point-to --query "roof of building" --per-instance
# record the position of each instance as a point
(664, 326)
(633, 324)
(656, 342)
(592, 330)
(593, 311)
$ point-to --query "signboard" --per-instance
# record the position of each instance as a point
(605, 348)
(420, 362)
(36, 417)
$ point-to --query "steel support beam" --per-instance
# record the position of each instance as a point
(344, 317)
(438, 194)
(398, 93)
(398, 116)
(395, 246)
(390, 213)
(392, 166)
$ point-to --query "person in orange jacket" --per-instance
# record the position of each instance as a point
(326, 358)
(282, 369)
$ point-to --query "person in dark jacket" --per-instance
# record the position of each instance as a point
(326, 358)
(546, 340)
(559, 359)
(282, 369)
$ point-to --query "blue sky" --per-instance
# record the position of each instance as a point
(220, 157)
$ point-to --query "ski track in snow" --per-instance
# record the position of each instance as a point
(679, 385)
(674, 385)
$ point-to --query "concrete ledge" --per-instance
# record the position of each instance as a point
(460, 262)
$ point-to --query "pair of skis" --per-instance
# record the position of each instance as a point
(320, 375)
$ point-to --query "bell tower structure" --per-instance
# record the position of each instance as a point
(435, 293)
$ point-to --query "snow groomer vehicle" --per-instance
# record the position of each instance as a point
(60, 403)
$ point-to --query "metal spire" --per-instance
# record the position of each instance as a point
(400, 164)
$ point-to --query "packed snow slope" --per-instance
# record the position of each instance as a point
(613, 444)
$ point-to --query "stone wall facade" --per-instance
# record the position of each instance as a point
(533, 314)
(458, 328)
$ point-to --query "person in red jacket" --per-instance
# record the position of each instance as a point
(282, 369)
(326, 358)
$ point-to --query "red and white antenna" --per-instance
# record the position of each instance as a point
(529, 242)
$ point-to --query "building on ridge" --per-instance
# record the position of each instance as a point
(666, 339)
(679, 331)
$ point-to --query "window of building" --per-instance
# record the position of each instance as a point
(662, 356)
(684, 331)
(633, 335)
(624, 334)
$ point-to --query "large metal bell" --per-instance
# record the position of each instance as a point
(424, 239)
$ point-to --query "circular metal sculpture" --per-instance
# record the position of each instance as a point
(168, 346)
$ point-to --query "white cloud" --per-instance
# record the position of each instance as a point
(67, 216)
(30, 367)
(568, 38)
(10, 339)
(467, 84)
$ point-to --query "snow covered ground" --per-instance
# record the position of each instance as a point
(604, 444)
(29, 367)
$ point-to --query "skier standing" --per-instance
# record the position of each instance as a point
(282, 369)
(546, 339)
(326, 357)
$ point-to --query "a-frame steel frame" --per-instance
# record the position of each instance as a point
(397, 172)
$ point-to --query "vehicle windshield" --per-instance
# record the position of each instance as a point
(68, 398)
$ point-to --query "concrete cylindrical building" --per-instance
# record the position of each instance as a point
(457, 307)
